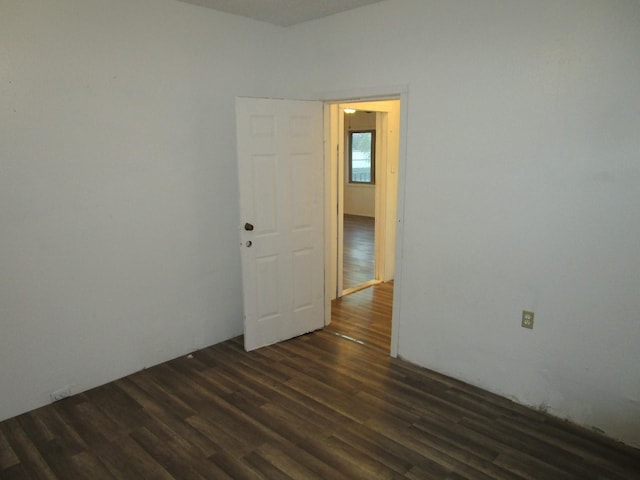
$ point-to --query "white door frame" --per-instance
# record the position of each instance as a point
(332, 205)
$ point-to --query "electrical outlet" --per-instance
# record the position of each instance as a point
(61, 393)
(527, 319)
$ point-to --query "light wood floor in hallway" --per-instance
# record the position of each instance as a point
(358, 256)
(363, 316)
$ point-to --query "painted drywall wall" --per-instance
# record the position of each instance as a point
(358, 199)
(118, 228)
(522, 189)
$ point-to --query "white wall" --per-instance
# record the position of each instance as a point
(118, 228)
(360, 200)
(522, 189)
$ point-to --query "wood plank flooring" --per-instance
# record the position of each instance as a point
(358, 256)
(315, 407)
(365, 316)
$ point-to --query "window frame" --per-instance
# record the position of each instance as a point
(373, 157)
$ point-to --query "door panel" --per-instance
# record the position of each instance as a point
(280, 172)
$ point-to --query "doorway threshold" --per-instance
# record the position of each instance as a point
(362, 286)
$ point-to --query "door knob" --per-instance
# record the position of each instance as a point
(248, 227)
(249, 243)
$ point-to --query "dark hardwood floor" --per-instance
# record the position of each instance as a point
(358, 257)
(315, 407)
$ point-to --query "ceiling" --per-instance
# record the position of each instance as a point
(282, 12)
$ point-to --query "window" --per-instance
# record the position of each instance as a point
(362, 146)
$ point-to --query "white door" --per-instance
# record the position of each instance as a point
(280, 172)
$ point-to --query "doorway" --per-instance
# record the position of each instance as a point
(259, 117)
(363, 206)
